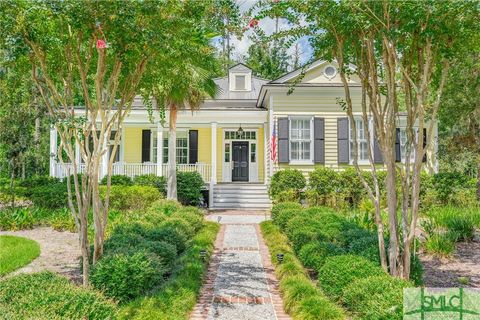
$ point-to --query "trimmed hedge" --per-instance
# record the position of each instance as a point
(313, 255)
(302, 299)
(117, 180)
(46, 295)
(339, 271)
(279, 207)
(152, 180)
(376, 298)
(131, 197)
(288, 180)
(189, 188)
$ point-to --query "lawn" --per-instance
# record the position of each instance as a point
(16, 252)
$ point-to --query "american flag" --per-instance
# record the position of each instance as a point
(273, 144)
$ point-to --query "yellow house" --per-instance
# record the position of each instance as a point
(252, 128)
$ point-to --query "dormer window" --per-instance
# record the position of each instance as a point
(240, 82)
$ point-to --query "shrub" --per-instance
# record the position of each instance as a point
(303, 229)
(190, 215)
(350, 235)
(124, 277)
(324, 181)
(284, 205)
(285, 216)
(170, 234)
(459, 221)
(118, 180)
(289, 195)
(445, 184)
(313, 255)
(351, 186)
(189, 188)
(152, 180)
(288, 179)
(416, 270)
(49, 196)
(340, 271)
(441, 245)
(166, 207)
(378, 297)
(48, 296)
(38, 181)
(131, 197)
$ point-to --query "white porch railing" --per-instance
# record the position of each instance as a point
(136, 169)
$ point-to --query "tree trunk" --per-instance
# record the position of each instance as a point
(84, 246)
(12, 179)
(380, 233)
(172, 152)
(392, 217)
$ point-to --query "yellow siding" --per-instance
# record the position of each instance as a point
(261, 155)
(204, 145)
(133, 145)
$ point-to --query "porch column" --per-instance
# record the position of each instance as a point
(159, 150)
(266, 146)
(53, 150)
(213, 178)
(270, 130)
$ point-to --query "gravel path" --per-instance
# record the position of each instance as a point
(59, 252)
(240, 283)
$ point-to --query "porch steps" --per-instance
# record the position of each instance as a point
(240, 196)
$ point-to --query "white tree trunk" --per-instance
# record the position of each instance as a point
(172, 152)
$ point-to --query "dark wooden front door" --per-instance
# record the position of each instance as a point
(240, 161)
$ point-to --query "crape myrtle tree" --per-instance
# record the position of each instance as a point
(401, 51)
(88, 59)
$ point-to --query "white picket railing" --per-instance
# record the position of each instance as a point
(136, 169)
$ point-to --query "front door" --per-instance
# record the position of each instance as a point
(240, 161)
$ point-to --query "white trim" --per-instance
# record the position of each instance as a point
(159, 149)
(370, 128)
(53, 150)
(300, 162)
(122, 145)
(214, 153)
(265, 153)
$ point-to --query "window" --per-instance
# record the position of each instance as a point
(244, 135)
(227, 152)
(182, 147)
(240, 83)
(330, 72)
(362, 141)
(253, 152)
(301, 139)
(403, 145)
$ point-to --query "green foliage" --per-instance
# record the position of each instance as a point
(460, 222)
(16, 252)
(117, 180)
(324, 181)
(339, 271)
(189, 188)
(447, 183)
(313, 255)
(27, 218)
(377, 297)
(302, 299)
(285, 180)
(441, 245)
(50, 196)
(166, 207)
(285, 216)
(38, 181)
(31, 296)
(124, 277)
(131, 197)
(178, 296)
(152, 180)
(277, 208)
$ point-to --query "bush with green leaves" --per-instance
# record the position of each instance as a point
(339, 271)
(126, 276)
(278, 207)
(324, 181)
(118, 180)
(46, 295)
(285, 180)
(446, 184)
(376, 298)
(285, 216)
(303, 229)
(313, 255)
(351, 186)
(193, 216)
(50, 196)
(164, 206)
(152, 180)
(38, 181)
(189, 188)
(131, 197)
(441, 245)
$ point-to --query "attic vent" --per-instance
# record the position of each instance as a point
(240, 83)
(330, 72)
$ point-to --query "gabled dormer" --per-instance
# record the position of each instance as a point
(240, 78)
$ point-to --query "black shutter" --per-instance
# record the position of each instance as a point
(398, 150)
(146, 136)
(343, 140)
(424, 159)
(377, 153)
(283, 140)
(319, 140)
(193, 146)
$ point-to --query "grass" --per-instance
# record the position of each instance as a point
(176, 299)
(440, 245)
(48, 296)
(16, 252)
(302, 299)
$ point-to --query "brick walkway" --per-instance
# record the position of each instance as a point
(241, 282)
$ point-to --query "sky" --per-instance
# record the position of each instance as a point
(268, 26)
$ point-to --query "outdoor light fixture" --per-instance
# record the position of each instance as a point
(219, 218)
(203, 254)
(240, 129)
(280, 257)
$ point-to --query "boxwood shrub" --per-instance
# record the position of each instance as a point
(339, 271)
(165, 207)
(303, 229)
(189, 188)
(118, 180)
(285, 180)
(378, 297)
(52, 196)
(46, 295)
(131, 197)
(313, 255)
(126, 276)
(277, 208)
(152, 180)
